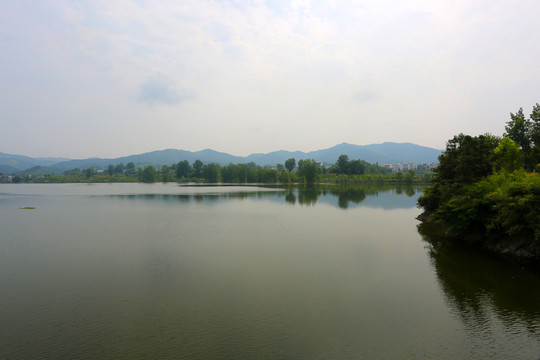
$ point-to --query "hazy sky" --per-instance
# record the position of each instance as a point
(110, 78)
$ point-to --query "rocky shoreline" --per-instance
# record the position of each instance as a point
(520, 249)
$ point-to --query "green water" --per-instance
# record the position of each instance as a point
(147, 271)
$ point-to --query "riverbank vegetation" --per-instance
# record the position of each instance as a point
(291, 172)
(487, 189)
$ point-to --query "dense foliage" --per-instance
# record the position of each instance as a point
(467, 159)
(526, 134)
(502, 203)
(482, 184)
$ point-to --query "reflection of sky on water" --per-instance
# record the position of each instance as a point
(253, 270)
(342, 196)
(387, 200)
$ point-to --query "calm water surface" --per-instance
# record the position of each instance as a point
(145, 271)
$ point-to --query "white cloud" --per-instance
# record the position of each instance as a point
(267, 74)
(160, 89)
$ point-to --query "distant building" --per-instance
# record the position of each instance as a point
(395, 167)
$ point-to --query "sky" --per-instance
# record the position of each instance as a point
(110, 78)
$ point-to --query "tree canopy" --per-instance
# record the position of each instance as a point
(290, 164)
(508, 155)
(481, 185)
(148, 175)
(183, 169)
(308, 169)
(526, 134)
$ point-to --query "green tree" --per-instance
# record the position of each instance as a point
(251, 173)
(535, 125)
(119, 169)
(519, 130)
(211, 172)
(343, 164)
(534, 155)
(236, 173)
(89, 172)
(284, 177)
(356, 167)
(165, 173)
(197, 166)
(409, 176)
(242, 173)
(269, 176)
(229, 173)
(148, 175)
(110, 169)
(290, 164)
(130, 168)
(534, 158)
(508, 156)
(183, 169)
(466, 159)
(308, 169)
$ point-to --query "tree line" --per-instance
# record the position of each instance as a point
(291, 171)
(303, 171)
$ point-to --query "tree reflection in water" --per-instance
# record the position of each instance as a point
(290, 198)
(308, 195)
(485, 291)
(304, 195)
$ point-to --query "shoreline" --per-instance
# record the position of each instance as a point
(519, 249)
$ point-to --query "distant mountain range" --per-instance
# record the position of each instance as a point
(10, 164)
(387, 152)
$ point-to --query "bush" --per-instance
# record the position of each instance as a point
(503, 203)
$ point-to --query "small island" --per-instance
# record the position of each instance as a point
(486, 189)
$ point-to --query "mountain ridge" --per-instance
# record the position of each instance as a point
(387, 152)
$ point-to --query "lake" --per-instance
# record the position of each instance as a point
(147, 271)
